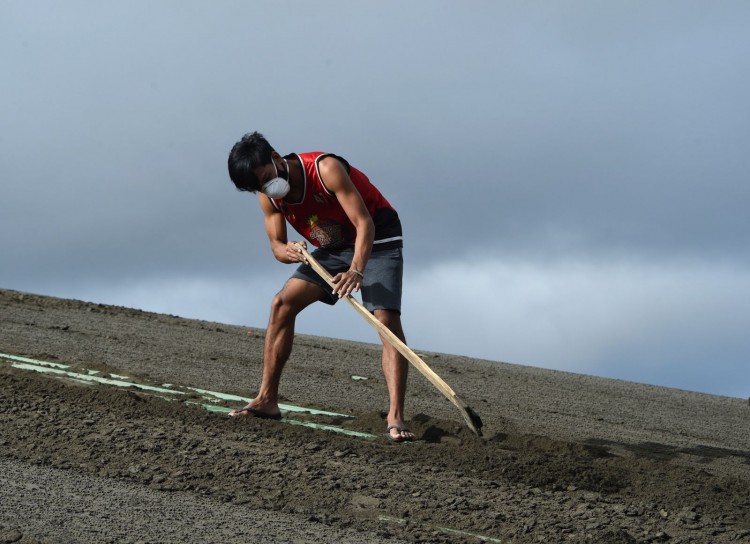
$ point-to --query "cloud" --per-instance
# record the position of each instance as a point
(668, 323)
(560, 137)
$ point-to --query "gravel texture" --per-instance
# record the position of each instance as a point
(564, 457)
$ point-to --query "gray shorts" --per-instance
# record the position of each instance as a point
(381, 286)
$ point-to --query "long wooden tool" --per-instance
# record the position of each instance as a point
(470, 416)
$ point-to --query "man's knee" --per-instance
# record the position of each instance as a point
(294, 297)
(391, 319)
(282, 306)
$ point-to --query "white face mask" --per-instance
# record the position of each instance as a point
(278, 187)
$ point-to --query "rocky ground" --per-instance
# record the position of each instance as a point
(564, 457)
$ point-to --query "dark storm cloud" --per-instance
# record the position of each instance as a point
(528, 134)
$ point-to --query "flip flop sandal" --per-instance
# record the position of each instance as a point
(252, 412)
(400, 430)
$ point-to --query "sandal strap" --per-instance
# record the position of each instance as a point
(398, 428)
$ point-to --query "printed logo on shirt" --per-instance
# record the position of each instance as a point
(325, 232)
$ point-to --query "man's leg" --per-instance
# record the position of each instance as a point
(395, 371)
(295, 296)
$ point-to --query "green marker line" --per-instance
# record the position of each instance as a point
(96, 379)
(284, 407)
(32, 361)
(25, 363)
(332, 428)
(217, 394)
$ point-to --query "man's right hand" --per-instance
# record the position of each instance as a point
(294, 253)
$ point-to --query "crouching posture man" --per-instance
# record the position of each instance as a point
(358, 238)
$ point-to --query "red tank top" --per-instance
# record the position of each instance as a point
(321, 220)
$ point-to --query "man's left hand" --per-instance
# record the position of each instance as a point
(346, 283)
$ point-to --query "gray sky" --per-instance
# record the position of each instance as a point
(569, 174)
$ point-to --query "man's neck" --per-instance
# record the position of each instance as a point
(296, 181)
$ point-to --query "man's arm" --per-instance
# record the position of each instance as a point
(283, 250)
(338, 182)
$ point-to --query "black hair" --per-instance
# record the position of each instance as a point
(252, 151)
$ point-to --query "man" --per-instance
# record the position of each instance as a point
(359, 241)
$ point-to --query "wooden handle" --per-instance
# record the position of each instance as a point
(397, 343)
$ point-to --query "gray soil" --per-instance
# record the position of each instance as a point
(564, 457)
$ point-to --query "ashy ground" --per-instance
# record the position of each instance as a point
(113, 429)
